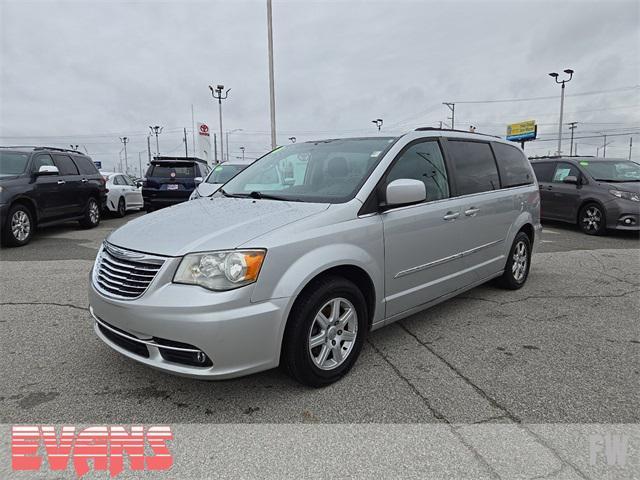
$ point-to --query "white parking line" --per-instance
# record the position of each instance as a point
(547, 230)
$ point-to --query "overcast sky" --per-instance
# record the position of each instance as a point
(89, 72)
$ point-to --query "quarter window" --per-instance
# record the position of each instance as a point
(513, 166)
(475, 166)
(543, 171)
(423, 161)
(564, 170)
(85, 165)
(65, 165)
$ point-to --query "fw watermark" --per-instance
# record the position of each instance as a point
(608, 448)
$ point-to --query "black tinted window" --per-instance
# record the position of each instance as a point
(513, 165)
(544, 171)
(423, 161)
(40, 160)
(475, 167)
(171, 170)
(65, 165)
(85, 166)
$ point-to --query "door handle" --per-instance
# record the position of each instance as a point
(471, 212)
(84, 180)
(451, 215)
(61, 182)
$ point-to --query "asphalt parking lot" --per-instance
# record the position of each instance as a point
(564, 349)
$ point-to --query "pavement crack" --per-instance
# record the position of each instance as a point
(68, 305)
(546, 297)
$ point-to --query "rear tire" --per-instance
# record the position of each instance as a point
(516, 270)
(122, 208)
(19, 227)
(91, 217)
(325, 332)
(592, 219)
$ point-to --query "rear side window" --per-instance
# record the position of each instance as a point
(475, 167)
(85, 166)
(544, 171)
(513, 166)
(65, 165)
(168, 170)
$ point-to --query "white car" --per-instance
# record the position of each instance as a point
(122, 194)
(220, 174)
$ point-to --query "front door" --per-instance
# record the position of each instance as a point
(48, 190)
(564, 198)
(424, 242)
(75, 196)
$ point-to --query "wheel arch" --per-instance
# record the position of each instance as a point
(30, 204)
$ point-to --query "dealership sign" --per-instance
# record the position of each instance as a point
(104, 447)
(203, 129)
(522, 131)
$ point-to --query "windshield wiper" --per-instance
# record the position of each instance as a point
(258, 195)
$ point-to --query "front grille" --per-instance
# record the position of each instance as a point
(124, 274)
(124, 342)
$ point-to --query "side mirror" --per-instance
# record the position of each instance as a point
(48, 170)
(405, 191)
(570, 179)
(198, 180)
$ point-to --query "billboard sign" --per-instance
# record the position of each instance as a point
(522, 131)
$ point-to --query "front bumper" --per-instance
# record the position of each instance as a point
(622, 214)
(239, 337)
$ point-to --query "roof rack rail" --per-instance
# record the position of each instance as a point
(40, 147)
(436, 129)
(560, 156)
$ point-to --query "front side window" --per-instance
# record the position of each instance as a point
(117, 180)
(612, 170)
(65, 165)
(475, 167)
(42, 160)
(12, 163)
(513, 166)
(329, 171)
(423, 161)
(564, 170)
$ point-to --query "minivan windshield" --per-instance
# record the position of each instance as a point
(12, 163)
(612, 170)
(328, 171)
(223, 173)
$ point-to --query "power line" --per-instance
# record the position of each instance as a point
(553, 97)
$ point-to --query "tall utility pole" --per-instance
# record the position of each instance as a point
(378, 123)
(630, 145)
(604, 147)
(140, 163)
(217, 94)
(186, 149)
(215, 149)
(157, 130)
(572, 127)
(569, 72)
(242, 148)
(125, 140)
(227, 139)
(149, 147)
(272, 93)
(452, 107)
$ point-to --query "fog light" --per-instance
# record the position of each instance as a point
(627, 221)
(201, 357)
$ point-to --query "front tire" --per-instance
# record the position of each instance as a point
(592, 220)
(91, 217)
(325, 332)
(518, 263)
(19, 227)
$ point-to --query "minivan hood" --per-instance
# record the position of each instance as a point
(624, 186)
(208, 224)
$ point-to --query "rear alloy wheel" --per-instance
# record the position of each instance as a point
(592, 220)
(325, 332)
(516, 270)
(92, 214)
(122, 208)
(19, 227)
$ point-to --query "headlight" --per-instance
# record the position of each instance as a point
(224, 270)
(635, 197)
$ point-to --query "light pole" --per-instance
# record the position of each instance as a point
(452, 107)
(572, 127)
(292, 139)
(125, 140)
(157, 130)
(217, 94)
(228, 132)
(569, 72)
(604, 146)
(378, 123)
(242, 148)
(272, 93)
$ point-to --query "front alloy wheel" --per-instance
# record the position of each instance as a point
(592, 219)
(19, 227)
(333, 333)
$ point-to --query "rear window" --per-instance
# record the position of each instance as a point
(475, 167)
(85, 166)
(513, 166)
(172, 170)
(544, 171)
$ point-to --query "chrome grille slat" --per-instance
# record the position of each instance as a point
(124, 274)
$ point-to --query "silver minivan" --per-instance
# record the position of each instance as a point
(304, 252)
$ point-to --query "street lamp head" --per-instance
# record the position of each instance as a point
(220, 87)
(568, 71)
(553, 74)
(211, 88)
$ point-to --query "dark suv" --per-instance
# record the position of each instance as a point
(44, 185)
(595, 193)
(170, 180)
